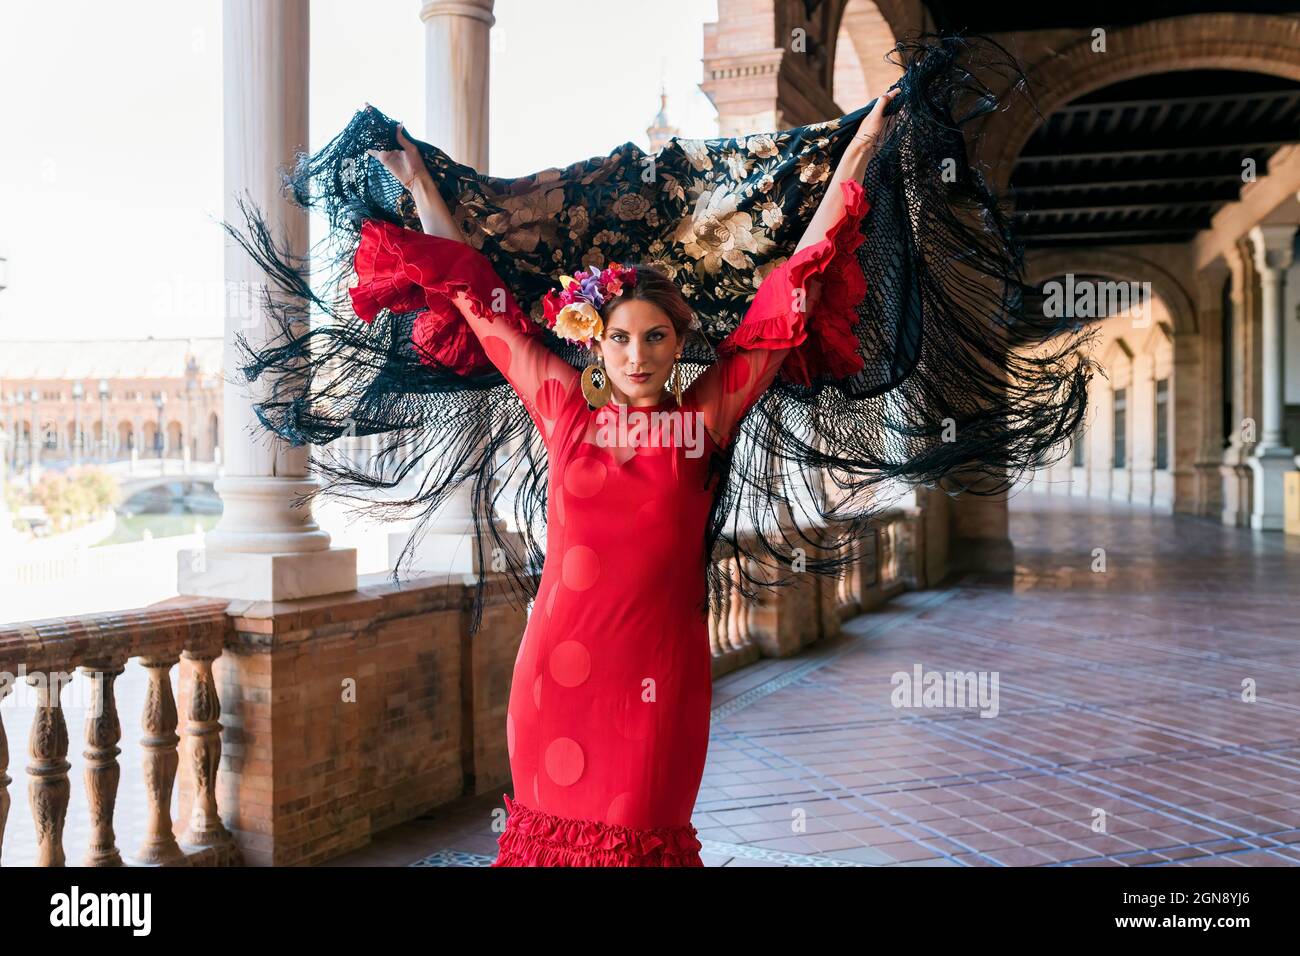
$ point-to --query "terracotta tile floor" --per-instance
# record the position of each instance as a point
(1147, 714)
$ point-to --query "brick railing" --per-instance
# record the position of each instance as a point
(312, 725)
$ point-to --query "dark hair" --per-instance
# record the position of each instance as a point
(656, 288)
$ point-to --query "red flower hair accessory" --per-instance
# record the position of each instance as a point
(572, 312)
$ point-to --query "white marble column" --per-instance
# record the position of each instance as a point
(457, 51)
(1274, 253)
(1237, 481)
(457, 38)
(263, 548)
(1141, 415)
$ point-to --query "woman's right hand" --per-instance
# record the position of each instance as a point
(405, 163)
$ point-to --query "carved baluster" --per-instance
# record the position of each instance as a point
(713, 628)
(844, 583)
(6, 688)
(746, 609)
(160, 761)
(203, 729)
(737, 605)
(720, 614)
(888, 565)
(847, 590)
(49, 789)
(103, 773)
(856, 576)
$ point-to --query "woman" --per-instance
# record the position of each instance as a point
(608, 720)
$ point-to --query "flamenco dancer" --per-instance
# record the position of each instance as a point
(836, 306)
(608, 722)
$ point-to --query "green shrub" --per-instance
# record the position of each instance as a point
(75, 497)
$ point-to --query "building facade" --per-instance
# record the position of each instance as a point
(68, 403)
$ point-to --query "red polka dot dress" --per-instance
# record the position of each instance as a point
(607, 725)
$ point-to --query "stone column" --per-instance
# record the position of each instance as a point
(1177, 489)
(1274, 253)
(264, 547)
(457, 54)
(457, 36)
(1142, 448)
(979, 534)
(1208, 487)
(1236, 487)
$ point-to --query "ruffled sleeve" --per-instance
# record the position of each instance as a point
(824, 342)
(404, 270)
(775, 337)
(471, 322)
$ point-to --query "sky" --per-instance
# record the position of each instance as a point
(111, 182)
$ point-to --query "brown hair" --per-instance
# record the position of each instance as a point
(656, 288)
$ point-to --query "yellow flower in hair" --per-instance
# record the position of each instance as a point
(578, 322)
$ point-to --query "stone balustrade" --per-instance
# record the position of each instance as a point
(45, 654)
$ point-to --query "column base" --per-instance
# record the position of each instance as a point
(1235, 490)
(452, 555)
(1268, 468)
(1209, 487)
(203, 572)
(987, 555)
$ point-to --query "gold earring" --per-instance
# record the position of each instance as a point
(595, 384)
(677, 382)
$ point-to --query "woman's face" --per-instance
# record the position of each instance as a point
(638, 338)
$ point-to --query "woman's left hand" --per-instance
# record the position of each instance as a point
(869, 131)
(404, 163)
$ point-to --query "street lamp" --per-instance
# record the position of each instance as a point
(78, 393)
(161, 402)
(35, 397)
(19, 399)
(191, 370)
(103, 419)
(11, 431)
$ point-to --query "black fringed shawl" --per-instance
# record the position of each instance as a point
(961, 389)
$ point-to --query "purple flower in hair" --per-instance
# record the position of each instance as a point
(591, 287)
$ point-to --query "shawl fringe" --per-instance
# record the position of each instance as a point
(955, 385)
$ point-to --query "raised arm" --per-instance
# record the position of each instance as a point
(777, 321)
(472, 318)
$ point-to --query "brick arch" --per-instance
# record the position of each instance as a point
(757, 82)
(1258, 43)
(868, 29)
(1050, 263)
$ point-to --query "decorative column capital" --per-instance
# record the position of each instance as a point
(474, 9)
(1274, 245)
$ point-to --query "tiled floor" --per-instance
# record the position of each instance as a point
(1146, 712)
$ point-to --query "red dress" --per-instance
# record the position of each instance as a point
(607, 725)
